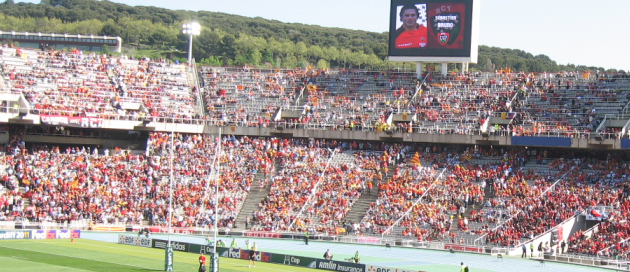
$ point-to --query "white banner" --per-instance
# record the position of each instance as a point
(374, 268)
(134, 240)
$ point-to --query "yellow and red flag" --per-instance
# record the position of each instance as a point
(415, 160)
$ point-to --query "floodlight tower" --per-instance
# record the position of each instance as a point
(191, 29)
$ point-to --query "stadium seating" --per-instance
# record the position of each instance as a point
(482, 195)
(77, 84)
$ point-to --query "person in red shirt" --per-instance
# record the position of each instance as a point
(202, 263)
(410, 34)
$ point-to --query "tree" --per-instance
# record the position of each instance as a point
(314, 52)
(90, 27)
(212, 61)
(283, 44)
(344, 56)
(323, 64)
(160, 37)
(226, 48)
(331, 53)
(300, 49)
(207, 44)
(267, 57)
(45, 25)
(110, 29)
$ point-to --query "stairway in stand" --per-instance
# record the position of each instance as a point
(256, 195)
(478, 208)
(362, 204)
(360, 207)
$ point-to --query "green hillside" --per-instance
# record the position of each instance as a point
(236, 40)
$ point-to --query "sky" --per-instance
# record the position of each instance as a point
(580, 32)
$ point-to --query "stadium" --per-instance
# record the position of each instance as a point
(496, 165)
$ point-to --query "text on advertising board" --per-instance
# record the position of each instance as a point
(15, 234)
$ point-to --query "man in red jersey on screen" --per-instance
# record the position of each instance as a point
(410, 34)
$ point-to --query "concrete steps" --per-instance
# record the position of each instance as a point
(256, 195)
(361, 206)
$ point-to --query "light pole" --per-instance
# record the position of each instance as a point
(168, 261)
(215, 257)
(191, 29)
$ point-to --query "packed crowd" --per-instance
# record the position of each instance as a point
(291, 188)
(610, 240)
(521, 204)
(609, 181)
(532, 104)
(313, 188)
(246, 97)
(77, 83)
(88, 84)
(582, 185)
(416, 199)
(346, 100)
(571, 107)
(128, 187)
(396, 205)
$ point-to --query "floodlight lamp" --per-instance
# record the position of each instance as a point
(192, 28)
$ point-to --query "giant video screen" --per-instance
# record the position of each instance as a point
(431, 28)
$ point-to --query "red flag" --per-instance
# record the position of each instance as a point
(416, 160)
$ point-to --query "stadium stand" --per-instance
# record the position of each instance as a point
(476, 193)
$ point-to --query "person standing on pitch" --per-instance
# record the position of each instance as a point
(202, 263)
(252, 255)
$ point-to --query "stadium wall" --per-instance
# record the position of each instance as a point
(79, 141)
(427, 135)
(542, 141)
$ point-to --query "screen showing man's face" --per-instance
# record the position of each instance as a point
(409, 19)
(431, 28)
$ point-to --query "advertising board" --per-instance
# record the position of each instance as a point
(135, 240)
(15, 234)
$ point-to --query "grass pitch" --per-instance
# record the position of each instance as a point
(89, 255)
